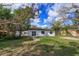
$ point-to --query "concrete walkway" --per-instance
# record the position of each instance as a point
(70, 38)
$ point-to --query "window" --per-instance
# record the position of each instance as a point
(42, 32)
(50, 32)
(33, 33)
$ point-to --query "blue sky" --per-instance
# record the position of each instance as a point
(47, 13)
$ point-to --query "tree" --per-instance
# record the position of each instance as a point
(6, 19)
(62, 12)
(56, 26)
(22, 16)
(76, 20)
(5, 13)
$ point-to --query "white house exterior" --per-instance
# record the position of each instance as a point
(36, 32)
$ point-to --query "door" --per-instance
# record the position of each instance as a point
(33, 33)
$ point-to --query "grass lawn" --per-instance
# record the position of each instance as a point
(14, 47)
(48, 46)
(57, 46)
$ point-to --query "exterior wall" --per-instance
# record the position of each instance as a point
(50, 34)
(24, 33)
(38, 33)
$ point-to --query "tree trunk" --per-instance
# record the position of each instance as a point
(57, 32)
(20, 30)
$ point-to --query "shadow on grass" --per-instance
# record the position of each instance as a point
(13, 43)
(55, 50)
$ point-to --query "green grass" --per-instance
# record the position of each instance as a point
(56, 40)
(57, 46)
(13, 42)
(48, 46)
(14, 47)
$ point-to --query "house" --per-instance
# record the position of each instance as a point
(36, 32)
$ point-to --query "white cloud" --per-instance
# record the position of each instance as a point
(17, 5)
(40, 11)
(68, 5)
(59, 19)
(35, 21)
(52, 13)
(48, 20)
(72, 10)
(42, 26)
(35, 6)
(45, 20)
(57, 6)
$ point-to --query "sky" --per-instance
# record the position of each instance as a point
(48, 13)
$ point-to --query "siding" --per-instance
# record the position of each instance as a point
(24, 33)
(38, 33)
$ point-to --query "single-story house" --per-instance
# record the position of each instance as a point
(36, 32)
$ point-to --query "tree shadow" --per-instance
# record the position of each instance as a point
(53, 50)
(65, 51)
(12, 43)
(15, 47)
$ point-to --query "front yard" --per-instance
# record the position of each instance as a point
(47, 46)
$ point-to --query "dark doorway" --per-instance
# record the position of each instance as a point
(33, 33)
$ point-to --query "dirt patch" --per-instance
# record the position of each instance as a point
(70, 38)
